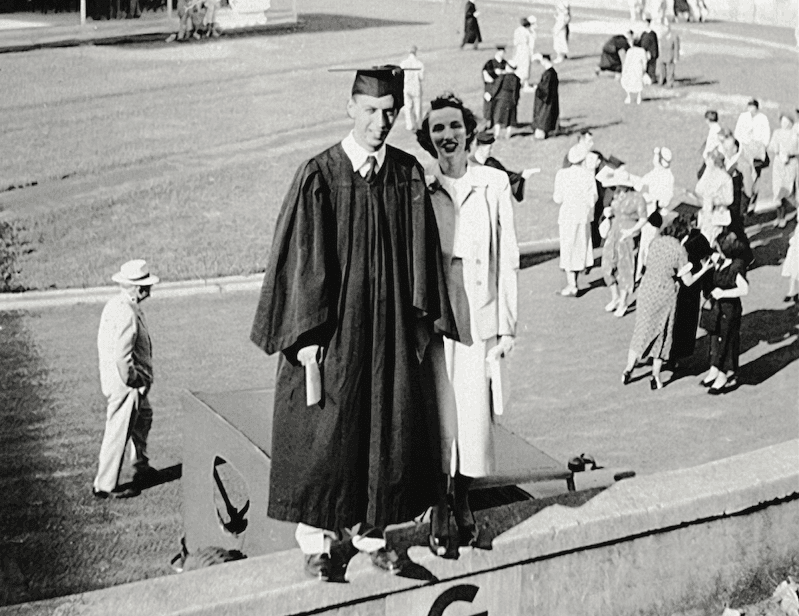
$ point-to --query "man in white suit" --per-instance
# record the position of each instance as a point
(126, 375)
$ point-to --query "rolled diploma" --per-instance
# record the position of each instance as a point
(499, 392)
(313, 383)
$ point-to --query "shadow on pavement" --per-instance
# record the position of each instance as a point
(769, 326)
(769, 243)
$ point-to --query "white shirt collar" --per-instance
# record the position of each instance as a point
(358, 155)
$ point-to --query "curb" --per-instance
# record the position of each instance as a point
(30, 300)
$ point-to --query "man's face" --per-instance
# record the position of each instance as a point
(373, 117)
(482, 150)
(142, 293)
(728, 146)
(752, 110)
(588, 140)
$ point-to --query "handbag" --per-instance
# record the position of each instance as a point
(709, 316)
(720, 217)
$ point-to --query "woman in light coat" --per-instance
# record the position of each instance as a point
(576, 193)
(632, 72)
(784, 148)
(714, 191)
(474, 212)
(524, 48)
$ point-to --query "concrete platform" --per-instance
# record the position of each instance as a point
(657, 545)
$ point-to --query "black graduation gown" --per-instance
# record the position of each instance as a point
(547, 102)
(506, 98)
(610, 60)
(355, 267)
(649, 42)
(516, 179)
(471, 29)
(493, 68)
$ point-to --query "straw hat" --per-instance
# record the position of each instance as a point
(135, 272)
(620, 177)
(577, 154)
(665, 156)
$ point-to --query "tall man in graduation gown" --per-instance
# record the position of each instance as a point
(546, 108)
(354, 287)
(492, 71)
(649, 42)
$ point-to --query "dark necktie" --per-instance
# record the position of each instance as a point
(372, 172)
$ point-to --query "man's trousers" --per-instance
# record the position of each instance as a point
(128, 417)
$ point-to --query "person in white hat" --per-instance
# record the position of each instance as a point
(126, 375)
(576, 193)
(657, 187)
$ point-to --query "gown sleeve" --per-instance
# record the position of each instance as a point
(295, 303)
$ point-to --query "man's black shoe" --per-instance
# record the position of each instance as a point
(129, 492)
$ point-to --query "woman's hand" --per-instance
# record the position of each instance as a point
(504, 347)
(717, 293)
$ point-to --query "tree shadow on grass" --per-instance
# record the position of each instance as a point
(32, 501)
(688, 82)
(566, 130)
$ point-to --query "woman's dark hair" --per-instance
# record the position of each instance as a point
(447, 99)
(677, 228)
(711, 115)
(525, 22)
(731, 246)
(655, 219)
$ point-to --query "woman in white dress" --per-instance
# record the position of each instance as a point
(474, 213)
(632, 72)
(715, 192)
(524, 48)
(560, 31)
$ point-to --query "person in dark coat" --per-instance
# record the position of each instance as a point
(471, 29)
(649, 42)
(506, 99)
(613, 52)
(492, 70)
(546, 108)
(689, 298)
(353, 296)
(728, 287)
(481, 154)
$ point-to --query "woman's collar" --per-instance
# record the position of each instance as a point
(433, 175)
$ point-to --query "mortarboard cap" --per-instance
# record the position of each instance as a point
(485, 138)
(378, 81)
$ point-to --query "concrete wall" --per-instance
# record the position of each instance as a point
(657, 544)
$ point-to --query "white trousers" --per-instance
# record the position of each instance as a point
(314, 540)
(128, 417)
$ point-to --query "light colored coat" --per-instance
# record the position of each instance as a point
(481, 261)
(124, 346)
(493, 252)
